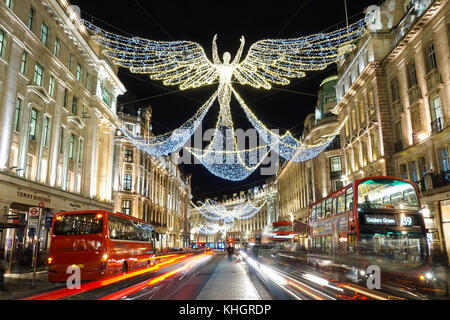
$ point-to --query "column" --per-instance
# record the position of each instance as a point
(404, 99)
(90, 176)
(56, 133)
(9, 101)
(441, 45)
(419, 60)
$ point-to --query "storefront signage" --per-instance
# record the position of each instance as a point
(33, 223)
(33, 196)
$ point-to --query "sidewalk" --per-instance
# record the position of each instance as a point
(229, 282)
(19, 285)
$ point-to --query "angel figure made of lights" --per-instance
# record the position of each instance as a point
(268, 62)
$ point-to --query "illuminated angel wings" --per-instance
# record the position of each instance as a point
(184, 63)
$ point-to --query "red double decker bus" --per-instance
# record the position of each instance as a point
(371, 221)
(100, 243)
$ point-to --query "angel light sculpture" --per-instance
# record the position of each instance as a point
(268, 62)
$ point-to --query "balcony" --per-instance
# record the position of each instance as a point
(433, 181)
(437, 125)
(433, 79)
(414, 94)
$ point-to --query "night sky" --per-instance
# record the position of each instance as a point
(281, 107)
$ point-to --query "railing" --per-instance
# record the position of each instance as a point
(414, 94)
(437, 125)
(433, 79)
(441, 179)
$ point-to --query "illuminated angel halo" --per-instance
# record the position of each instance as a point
(271, 61)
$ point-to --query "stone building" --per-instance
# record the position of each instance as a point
(395, 86)
(151, 188)
(57, 109)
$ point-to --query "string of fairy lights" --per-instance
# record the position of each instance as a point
(268, 62)
(221, 218)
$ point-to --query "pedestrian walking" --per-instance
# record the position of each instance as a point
(230, 251)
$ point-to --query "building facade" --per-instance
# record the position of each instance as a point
(151, 188)
(57, 110)
(395, 86)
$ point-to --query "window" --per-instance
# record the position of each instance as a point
(437, 115)
(362, 115)
(80, 150)
(128, 155)
(71, 146)
(349, 199)
(127, 182)
(33, 123)
(445, 160)
(10, 4)
(23, 63)
(335, 164)
(38, 74)
(61, 141)
(78, 224)
(106, 96)
(74, 104)
(78, 74)
(2, 43)
(319, 211)
(403, 171)
(328, 207)
(51, 86)
(46, 136)
(394, 89)
(31, 19)
(17, 115)
(371, 103)
(353, 120)
(415, 119)
(126, 207)
(341, 203)
(66, 96)
(44, 33)
(125, 229)
(56, 48)
(430, 57)
(413, 171)
(333, 212)
(412, 76)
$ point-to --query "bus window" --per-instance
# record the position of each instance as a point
(341, 204)
(313, 213)
(328, 207)
(349, 199)
(319, 210)
(334, 206)
(351, 240)
(78, 224)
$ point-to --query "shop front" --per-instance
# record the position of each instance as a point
(25, 206)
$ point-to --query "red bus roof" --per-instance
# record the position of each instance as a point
(119, 214)
(282, 223)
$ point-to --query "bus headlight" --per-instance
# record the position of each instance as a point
(105, 257)
(429, 275)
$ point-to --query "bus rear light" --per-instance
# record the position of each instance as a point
(50, 260)
(105, 257)
(99, 216)
(58, 218)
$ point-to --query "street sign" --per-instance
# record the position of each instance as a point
(34, 212)
(41, 204)
(49, 219)
(33, 223)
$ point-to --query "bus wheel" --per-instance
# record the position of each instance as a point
(125, 267)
